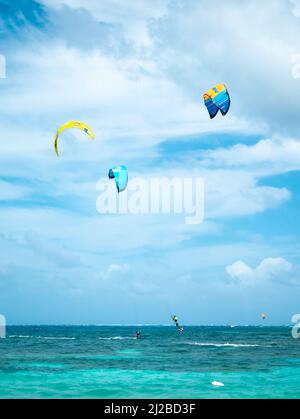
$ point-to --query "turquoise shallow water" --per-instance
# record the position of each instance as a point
(108, 362)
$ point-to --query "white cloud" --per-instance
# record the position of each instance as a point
(115, 10)
(133, 16)
(54, 252)
(120, 279)
(136, 101)
(236, 193)
(268, 269)
(121, 98)
(199, 47)
(184, 52)
(112, 270)
(266, 157)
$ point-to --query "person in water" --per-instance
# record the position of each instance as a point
(137, 334)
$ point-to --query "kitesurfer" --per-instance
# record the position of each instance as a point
(175, 320)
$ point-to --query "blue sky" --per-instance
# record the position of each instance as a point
(136, 72)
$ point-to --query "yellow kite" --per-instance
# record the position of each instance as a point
(73, 124)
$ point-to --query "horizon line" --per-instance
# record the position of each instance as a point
(144, 325)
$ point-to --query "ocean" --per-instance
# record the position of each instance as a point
(108, 362)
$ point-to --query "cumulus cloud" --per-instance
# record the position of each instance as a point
(270, 269)
(266, 157)
(236, 193)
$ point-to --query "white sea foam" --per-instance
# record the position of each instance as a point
(118, 338)
(220, 345)
(42, 337)
(55, 337)
(20, 336)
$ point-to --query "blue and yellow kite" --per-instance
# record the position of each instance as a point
(217, 99)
